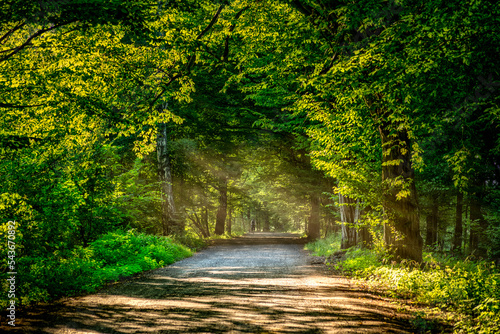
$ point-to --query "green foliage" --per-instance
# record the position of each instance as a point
(357, 261)
(83, 270)
(258, 93)
(191, 240)
(136, 195)
(325, 246)
(121, 250)
(470, 289)
(57, 275)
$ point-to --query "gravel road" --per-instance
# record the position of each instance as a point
(261, 283)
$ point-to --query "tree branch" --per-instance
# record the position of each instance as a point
(212, 22)
(192, 59)
(172, 79)
(28, 41)
(226, 42)
(8, 105)
(304, 9)
(4, 38)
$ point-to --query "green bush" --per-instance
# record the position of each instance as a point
(42, 279)
(471, 289)
(326, 246)
(192, 241)
(360, 261)
(468, 288)
(83, 270)
(147, 251)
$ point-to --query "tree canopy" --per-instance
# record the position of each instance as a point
(194, 117)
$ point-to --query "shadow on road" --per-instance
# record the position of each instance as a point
(251, 287)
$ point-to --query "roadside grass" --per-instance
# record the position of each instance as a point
(225, 236)
(326, 246)
(196, 242)
(469, 289)
(84, 270)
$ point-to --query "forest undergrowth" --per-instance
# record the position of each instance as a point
(465, 292)
(82, 270)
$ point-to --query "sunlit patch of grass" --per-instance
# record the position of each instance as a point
(325, 246)
(83, 270)
(358, 261)
(468, 289)
(221, 236)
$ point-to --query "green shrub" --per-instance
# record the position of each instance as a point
(325, 246)
(120, 248)
(360, 261)
(469, 288)
(192, 241)
(83, 270)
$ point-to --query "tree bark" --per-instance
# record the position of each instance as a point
(205, 219)
(313, 228)
(478, 226)
(365, 238)
(458, 235)
(229, 220)
(403, 232)
(432, 223)
(267, 222)
(222, 211)
(249, 218)
(331, 224)
(170, 224)
(349, 215)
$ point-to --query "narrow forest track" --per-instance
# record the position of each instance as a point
(260, 283)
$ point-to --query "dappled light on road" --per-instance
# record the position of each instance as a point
(231, 289)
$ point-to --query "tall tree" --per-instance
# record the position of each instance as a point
(349, 216)
(170, 223)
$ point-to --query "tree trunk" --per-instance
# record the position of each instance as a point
(313, 228)
(349, 215)
(431, 237)
(170, 224)
(403, 232)
(365, 238)
(478, 227)
(267, 222)
(330, 226)
(229, 220)
(205, 220)
(467, 227)
(249, 219)
(457, 238)
(222, 211)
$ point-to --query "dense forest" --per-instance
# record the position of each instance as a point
(376, 120)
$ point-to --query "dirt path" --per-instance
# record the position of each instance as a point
(262, 283)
